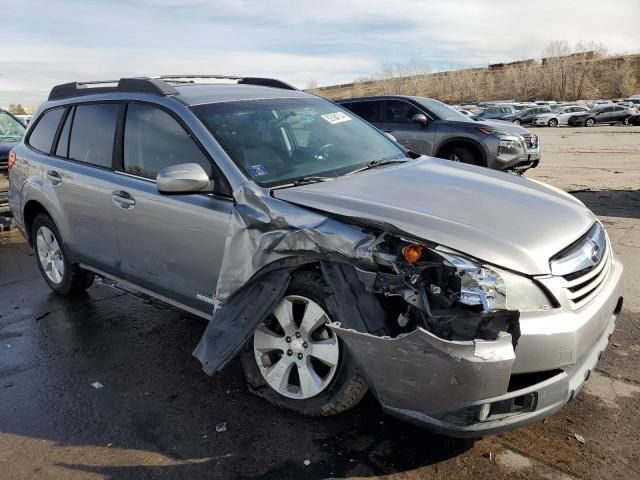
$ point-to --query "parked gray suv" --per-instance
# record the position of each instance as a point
(326, 256)
(430, 127)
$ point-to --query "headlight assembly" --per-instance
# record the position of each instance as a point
(493, 288)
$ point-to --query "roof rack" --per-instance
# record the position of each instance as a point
(262, 81)
(155, 85)
(137, 85)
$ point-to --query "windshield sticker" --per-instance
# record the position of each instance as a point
(258, 170)
(337, 117)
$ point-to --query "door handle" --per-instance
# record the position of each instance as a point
(54, 177)
(123, 199)
(388, 130)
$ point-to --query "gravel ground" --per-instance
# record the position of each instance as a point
(156, 415)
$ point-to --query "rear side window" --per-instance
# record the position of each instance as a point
(154, 140)
(41, 138)
(397, 111)
(369, 111)
(93, 132)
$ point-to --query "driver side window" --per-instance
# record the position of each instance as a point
(397, 111)
(154, 140)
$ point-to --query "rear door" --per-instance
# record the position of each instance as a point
(171, 245)
(619, 114)
(396, 120)
(77, 178)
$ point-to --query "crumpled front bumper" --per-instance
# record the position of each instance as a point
(462, 388)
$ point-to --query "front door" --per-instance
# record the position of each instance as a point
(171, 245)
(397, 120)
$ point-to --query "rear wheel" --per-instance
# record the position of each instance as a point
(61, 275)
(295, 361)
(553, 122)
(461, 154)
(590, 122)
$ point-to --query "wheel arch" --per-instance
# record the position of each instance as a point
(30, 211)
(472, 144)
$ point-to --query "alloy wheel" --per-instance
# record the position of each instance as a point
(50, 255)
(296, 352)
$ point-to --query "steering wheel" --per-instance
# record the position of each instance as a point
(322, 153)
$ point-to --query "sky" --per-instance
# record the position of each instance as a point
(47, 42)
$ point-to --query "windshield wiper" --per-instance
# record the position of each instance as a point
(310, 179)
(380, 163)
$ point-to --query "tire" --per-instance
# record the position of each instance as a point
(590, 122)
(342, 391)
(553, 122)
(461, 154)
(517, 121)
(63, 277)
(625, 121)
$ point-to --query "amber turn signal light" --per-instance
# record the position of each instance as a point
(412, 252)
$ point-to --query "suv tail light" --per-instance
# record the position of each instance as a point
(12, 159)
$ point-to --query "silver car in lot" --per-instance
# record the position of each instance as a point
(331, 260)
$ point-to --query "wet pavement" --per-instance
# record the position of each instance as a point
(156, 415)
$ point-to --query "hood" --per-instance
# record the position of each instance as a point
(496, 217)
(504, 126)
(5, 148)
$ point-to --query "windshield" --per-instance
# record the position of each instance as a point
(441, 111)
(10, 129)
(280, 140)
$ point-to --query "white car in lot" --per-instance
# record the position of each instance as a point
(558, 117)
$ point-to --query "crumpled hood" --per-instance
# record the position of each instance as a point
(497, 217)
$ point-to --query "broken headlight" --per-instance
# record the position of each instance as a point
(491, 288)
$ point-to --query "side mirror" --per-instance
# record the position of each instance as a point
(420, 118)
(182, 178)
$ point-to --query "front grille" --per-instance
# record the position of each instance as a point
(581, 287)
(530, 140)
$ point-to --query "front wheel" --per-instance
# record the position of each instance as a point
(553, 122)
(625, 121)
(461, 154)
(61, 275)
(590, 122)
(517, 121)
(295, 361)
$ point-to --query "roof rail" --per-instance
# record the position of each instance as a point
(155, 85)
(137, 85)
(261, 81)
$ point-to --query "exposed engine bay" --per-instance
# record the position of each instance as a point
(439, 291)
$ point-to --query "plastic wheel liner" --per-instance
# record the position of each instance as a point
(269, 238)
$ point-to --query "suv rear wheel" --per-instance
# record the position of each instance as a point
(295, 361)
(63, 277)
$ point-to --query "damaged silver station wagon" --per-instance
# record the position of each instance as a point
(329, 258)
